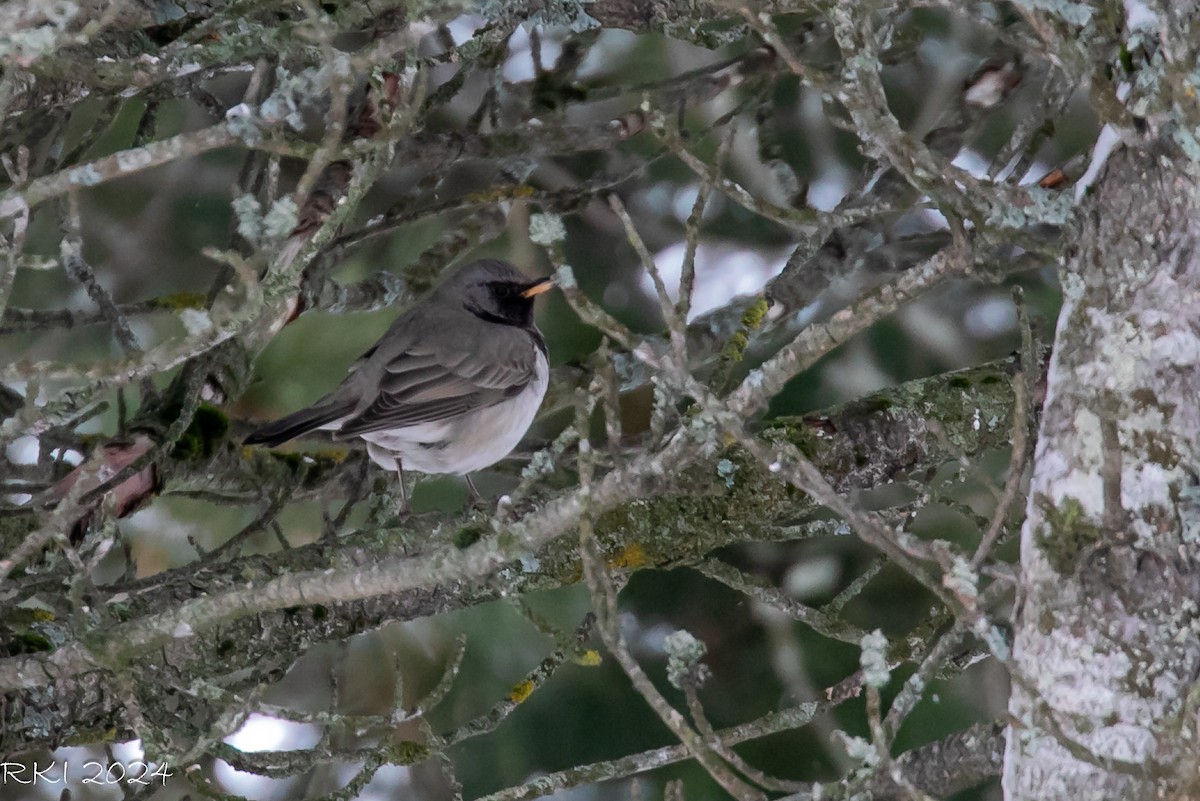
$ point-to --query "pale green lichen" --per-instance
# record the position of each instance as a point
(86, 175)
(546, 229)
(873, 659)
(566, 277)
(962, 580)
(243, 122)
(196, 322)
(726, 469)
(684, 653)
(134, 159)
(248, 213)
(1043, 206)
(292, 92)
(28, 45)
(541, 464)
(859, 749)
(993, 637)
(1050, 207)
(280, 221)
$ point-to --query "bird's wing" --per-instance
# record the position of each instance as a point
(431, 379)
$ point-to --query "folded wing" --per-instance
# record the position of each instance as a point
(424, 384)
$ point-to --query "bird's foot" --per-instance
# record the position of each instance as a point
(388, 503)
(402, 507)
(402, 510)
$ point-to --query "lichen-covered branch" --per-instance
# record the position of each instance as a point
(878, 439)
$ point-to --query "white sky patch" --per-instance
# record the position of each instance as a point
(803, 316)
(22, 450)
(265, 733)
(389, 784)
(73, 458)
(247, 785)
(519, 66)
(646, 639)
(1036, 172)
(85, 763)
(976, 165)
(990, 317)
(74, 757)
(464, 27)
(610, 47)
(935, 219)
(827, 191)
(813, 578)
(684, 199)
(932, 329)
(724, 270)
(658, 196)
(866, 377)
(131, 751)
(1105, 143)
(195, 321)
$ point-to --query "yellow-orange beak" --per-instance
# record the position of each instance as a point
(544, 285)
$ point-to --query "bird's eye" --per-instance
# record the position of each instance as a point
(502, 291)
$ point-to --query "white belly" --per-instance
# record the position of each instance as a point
(464, 444)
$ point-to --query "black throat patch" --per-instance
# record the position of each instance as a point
(518, 314)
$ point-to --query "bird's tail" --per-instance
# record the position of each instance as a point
(301, 422)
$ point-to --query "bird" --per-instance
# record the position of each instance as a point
(450, 388)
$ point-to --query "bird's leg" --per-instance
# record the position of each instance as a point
(403, 510)
(391, 461)
(473, 496)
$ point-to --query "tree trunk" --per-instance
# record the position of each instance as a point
(1106, 651)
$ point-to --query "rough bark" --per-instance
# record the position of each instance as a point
(1106, 652)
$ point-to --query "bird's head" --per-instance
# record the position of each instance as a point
(496, 291)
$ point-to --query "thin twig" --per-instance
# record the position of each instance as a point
(600, 584)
